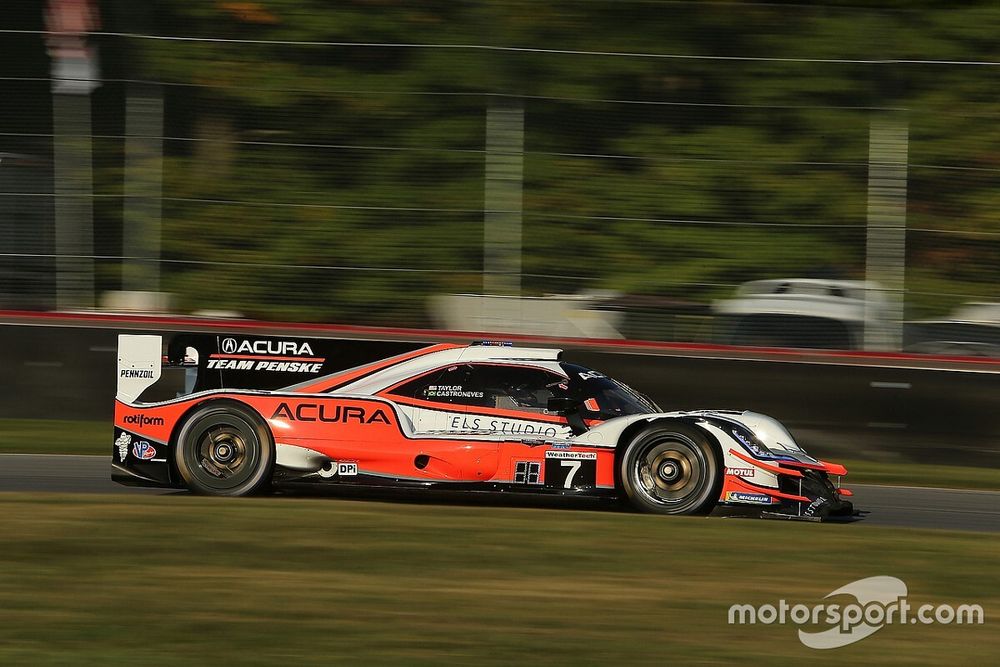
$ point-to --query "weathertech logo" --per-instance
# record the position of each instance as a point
(142, 420)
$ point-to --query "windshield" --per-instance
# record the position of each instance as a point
(610, 397)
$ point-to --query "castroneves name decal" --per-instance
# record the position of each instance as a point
(143, 420)
(272, 347)
(450, 391)
(311, 412)
(253, 365)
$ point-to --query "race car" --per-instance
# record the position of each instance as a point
(245, 414)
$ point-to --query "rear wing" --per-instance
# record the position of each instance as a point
(139, 365)
(237, 361)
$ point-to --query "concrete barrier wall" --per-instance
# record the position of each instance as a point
(834, 410)
(834, 407)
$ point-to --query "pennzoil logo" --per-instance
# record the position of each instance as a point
(315, 412)
(136, 373)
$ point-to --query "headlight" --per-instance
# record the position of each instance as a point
(750, 443)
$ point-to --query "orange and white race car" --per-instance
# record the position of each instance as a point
(243, 414)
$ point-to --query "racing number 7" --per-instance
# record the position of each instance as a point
(570, 470)
(573, 466)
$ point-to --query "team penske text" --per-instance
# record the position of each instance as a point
(252, 365)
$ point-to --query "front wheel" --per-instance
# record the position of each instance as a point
(671, 469)
(224, 449)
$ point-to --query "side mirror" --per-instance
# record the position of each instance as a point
(562, 406)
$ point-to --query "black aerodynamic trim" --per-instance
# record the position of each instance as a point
(332, 356)
(291, 479)
(766, 489)
(129, 477)
(407, 356)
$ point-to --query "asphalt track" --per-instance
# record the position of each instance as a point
(911, 507)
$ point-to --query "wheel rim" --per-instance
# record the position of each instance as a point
(225, 454)
(669, 471)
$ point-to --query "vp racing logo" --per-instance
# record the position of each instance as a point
(879, 601)
(143, 451)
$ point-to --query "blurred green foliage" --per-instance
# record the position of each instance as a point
(673, 176)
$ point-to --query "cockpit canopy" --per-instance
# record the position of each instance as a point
(527, 387)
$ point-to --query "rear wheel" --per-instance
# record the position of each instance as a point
(671, 469)
(224, 449)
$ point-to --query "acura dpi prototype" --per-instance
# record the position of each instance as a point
(236, 415)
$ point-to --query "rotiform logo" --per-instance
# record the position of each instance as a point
(143, 420)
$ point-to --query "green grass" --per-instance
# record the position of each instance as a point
(50, 436)
(163, 580)
(920, 474)
(29, 436)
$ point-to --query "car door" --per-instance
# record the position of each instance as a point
(434, 401)
(509, 400)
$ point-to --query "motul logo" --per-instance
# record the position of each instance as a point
(312, 412)
(273, 347)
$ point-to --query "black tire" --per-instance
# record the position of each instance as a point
(224, 449)
(671, 468)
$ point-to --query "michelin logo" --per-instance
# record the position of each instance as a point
(742, 497)
(122, 443)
